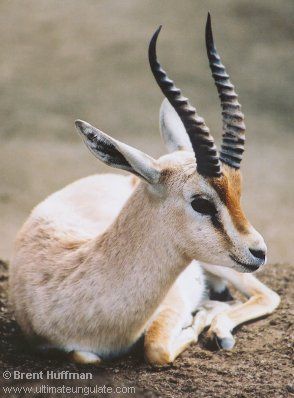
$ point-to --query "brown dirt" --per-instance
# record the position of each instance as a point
(259, 366)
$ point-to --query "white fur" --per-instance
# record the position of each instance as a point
(172, 129)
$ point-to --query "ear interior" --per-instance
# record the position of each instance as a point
(172, 130)
(102, 146)
(117, 154)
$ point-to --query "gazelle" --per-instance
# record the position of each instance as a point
(110, 258)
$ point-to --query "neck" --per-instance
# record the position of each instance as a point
(139, 257)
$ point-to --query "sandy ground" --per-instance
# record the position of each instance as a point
(260, 365)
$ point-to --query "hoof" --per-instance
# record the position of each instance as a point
(225, 343)
(86, 358)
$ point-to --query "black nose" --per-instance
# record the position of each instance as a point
(258, 253)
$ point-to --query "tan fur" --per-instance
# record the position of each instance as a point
(134, 181)
(229, 186)
(108, 258)
(157, 338)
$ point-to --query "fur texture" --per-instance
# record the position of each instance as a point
(108, 258)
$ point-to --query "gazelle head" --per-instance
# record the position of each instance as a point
(196, 189)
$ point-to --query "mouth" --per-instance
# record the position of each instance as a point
(250, 267)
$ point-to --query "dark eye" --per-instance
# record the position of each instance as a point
(203, 206)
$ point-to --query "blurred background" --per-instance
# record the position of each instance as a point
(62, 60)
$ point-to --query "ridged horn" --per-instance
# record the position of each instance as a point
(208, 163)
(233, 119)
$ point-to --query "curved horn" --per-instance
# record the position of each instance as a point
(208, 163)
(233, 119)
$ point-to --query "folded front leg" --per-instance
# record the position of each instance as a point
(169, 335)
(261, 301)
(173, 330)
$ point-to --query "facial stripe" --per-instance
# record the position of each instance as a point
(216, 222)
(218, 225)
(228, 187)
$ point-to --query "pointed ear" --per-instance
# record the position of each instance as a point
(172, 129)
(116, 154)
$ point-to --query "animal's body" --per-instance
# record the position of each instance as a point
(67, 225)
(110, 258)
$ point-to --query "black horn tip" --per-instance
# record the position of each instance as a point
(208, 34)
(155, 35)
(158, 30)
(152, 44)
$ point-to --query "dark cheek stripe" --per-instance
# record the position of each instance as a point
(216, 222)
